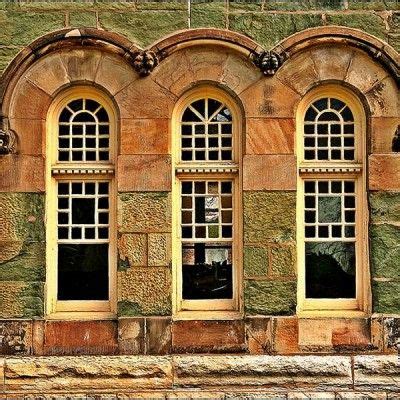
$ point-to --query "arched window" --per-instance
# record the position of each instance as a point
(207, 217)
(80, 203)
(332, 228)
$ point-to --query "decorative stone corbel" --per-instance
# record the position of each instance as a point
(8, 140)
(144, 62)
(268, 62)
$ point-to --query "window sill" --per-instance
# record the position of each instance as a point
(207, 315)
(331, 314)
(83, 315)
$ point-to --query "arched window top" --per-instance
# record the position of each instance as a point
(207, 120)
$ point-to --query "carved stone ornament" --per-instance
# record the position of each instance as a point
(145, 62)
(8, 140)
(268, 62)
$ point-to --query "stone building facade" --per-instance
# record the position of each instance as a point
(200, 199)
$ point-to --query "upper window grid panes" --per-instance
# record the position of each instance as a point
(329, 131)
(83, 132)
(206, 131)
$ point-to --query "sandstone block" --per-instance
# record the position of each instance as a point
(131, 335)
(159, 249)
(49, 73)
(158, 335)
(384, 99)
(145, 136)
(283, 261)
(15, 337)
(317, 372)
(285, 335)
(377, 372)
(81, 64)
(383, 172)
(269, 297)
(196, 394)
(114, 73)
(259, 335)
(132, 249)
(208, 336)
(383, 131)
(255, 261)
(270, 135)
(269, 98)
(80, 337)
(38, 336)
(87, 373)
(144, 212)
(144, 173)
(377, 336)
(391, 326)
(269, 216)
(21, 174)
(309, 396)
(30, 133)
(361, 395)
(144, 291)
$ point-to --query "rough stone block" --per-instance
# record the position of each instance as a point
(208, 336)
(21, 173)
(144, 27)
(376, 373)
(144, 212)
(255, 261)
(15, 337)
(270, 135)
(285, 335)
(131, 335)
(38, 336)
(259, 335)
(161, 100)
(159, 249)
(269, 98)
(385, 207)
(144, 291)
(80, 18)
(361, 395)
(331, 63)
(132, 250)
(385, 250)
(49, 73)
(30, 134)
(383, 172)
(158, 335)
(313, 395)
(7, 54)
(391, 331)
(80, 337)
(383, 98)
(142, 173)
(317, 372)
(283, 261)
(269, 216)
(377, 336)
(383, 130)
(270, 297)
(145, 136)
(92, 373)
(386, 296)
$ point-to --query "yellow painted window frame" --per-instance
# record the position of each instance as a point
(94, 171)
(207, 170)
(319, 169)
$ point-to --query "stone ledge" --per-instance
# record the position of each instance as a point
(213, 373)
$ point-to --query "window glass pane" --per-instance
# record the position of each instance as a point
(83, 132)
(206, 130)
(329, 118)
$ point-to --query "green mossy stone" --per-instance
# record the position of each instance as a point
(32, 298)
(269, 216)
(385, 207)
(243, 5)
(385, 251)
(283, 261)
(373, 5)
(86, 19)
(386, 297)
(7, 54)
(128, 309)
(270, 297)
(367, 22)
(255, 261)
(270, 29)
(208, 15)
(20, 28)
(303, 5)
(144, 27)
(161, 5)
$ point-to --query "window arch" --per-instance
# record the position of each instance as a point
(81, 138)
(206, 135)
(332, 228)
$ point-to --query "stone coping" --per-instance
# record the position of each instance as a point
(113, 374)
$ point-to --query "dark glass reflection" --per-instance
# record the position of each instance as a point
(330, 270)
(207, 271)
(83, 271)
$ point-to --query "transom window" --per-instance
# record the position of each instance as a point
(208, 242)
(331, 201)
